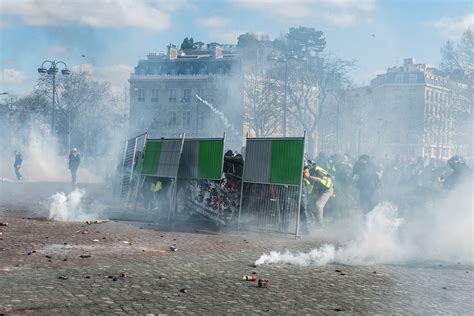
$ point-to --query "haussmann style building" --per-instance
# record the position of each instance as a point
(163, 92)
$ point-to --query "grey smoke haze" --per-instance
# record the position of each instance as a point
(441, 233)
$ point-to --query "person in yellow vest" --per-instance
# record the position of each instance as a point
(324, 190)
(306, 189)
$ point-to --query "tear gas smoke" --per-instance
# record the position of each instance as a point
(66, 207)
(442, 233)
(224, 119)
(70, 207)
(42, 160)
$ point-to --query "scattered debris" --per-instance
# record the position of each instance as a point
(183, 291)
(263, 283)
(123, 274)
(375, 272)
(65, 259)
(85, 256)
(95, 240)
(338, 310)
(114, 279)
(249, 277)
(173, 247)
(63, 277)
(338, 270)
(87, 277)
(342, 274)
(3, 224)
(48, 256)
(65, 244)
(85, 231)
(99, 221)
(444, 288)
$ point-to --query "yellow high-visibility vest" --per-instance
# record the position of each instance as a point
(327, 181)
(308, 185)
(157, 186)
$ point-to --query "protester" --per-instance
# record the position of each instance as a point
(323, 191)
(74, 161)
(17, 165)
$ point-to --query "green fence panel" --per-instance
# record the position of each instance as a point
(151, 158)
(210, 159)
(286, 161)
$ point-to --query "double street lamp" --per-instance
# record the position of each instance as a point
(53, 70)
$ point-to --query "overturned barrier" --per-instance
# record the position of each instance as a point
(202, 186)
(127, 170)
(271, 184)
(161, 160)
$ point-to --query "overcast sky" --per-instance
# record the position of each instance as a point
(107, 37)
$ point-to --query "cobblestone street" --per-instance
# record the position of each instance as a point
(50, 267)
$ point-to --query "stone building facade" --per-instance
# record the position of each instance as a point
(163, 89)
(411, 110)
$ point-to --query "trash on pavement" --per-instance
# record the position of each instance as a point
(173, 247)
(3, 223)
(99, 221)
(250, 277)
(84, 256)
(263, 283)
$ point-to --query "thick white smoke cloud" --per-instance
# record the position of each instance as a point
(72, 207)
(67, 208)
(441, 233)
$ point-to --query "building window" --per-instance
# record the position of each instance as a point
(141, 95)
(154, 95)
(186, 118)
(172, 119)
(172, 95)
(187, 95)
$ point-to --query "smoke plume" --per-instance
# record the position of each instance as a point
(441, 233)
(72, 208)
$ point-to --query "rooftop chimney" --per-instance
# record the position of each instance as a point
(408, 61)
(172, 52)
(216, 51)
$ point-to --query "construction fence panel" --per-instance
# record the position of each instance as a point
(271, 184)
(161, 158)
(202, 159)
(126, 169)
(135, 181)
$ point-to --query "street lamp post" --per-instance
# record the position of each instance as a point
(53, 70)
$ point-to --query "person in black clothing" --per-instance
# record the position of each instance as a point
(461, 173)
(74, 161)
(368, 182)
(17, 165)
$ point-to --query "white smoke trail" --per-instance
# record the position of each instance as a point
(67, 208)
(377, 244)
(224, 119)
(387, 238)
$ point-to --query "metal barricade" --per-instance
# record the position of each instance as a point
(271, 184)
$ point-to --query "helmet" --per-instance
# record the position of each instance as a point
(364, 157)
(456, 161)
